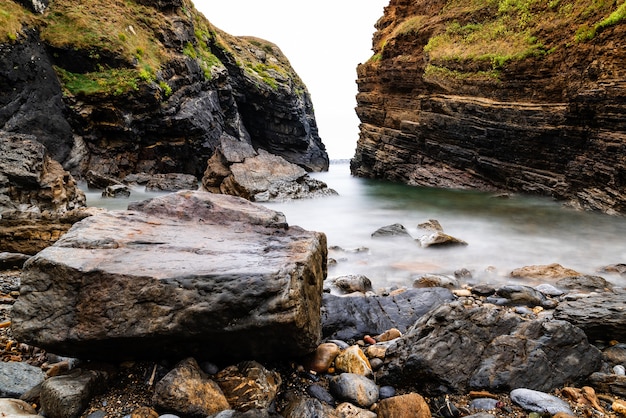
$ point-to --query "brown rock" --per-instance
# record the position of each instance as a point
(187, 390)
(376, 351)
(410, 405)
(144, 412)
(544, 272)
(248, 385)
(619, 406)
(353, 360)
(323, 357)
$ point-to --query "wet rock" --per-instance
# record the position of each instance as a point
(431, 225)
(18, 378)
(394, 230)
(186, 390)
(483, 290)
(244, 272)
(351, 283)
(535, 401)
(615, 268)
(68, 396)
(463, 274)
(609, 383)
(300, 406)
(116, 191)
(100, 181)
(410, 405)
(12, 408)
(585, 283)
(544, 272)
(549, 290)
(440, 239)
(12, 260)
(353, 360)
(522, 295)
(347, 410)
(354, 388)
(600, 316)
(248, 385)
(487, 348)
(322, 358)
(320, 393)
(436, 280)
(171, 182)
(352, 318)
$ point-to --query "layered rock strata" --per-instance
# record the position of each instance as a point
(498, 96)
(186, 273)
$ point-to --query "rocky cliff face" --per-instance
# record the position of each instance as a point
(146, 86)
(522, 95)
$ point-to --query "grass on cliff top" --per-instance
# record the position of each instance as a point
(12, 17)
(498, 31)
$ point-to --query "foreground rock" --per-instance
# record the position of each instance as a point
(185, 273)
(39, 201)
(601, 316)
(455, 349)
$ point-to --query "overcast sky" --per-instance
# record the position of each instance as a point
(324, 40)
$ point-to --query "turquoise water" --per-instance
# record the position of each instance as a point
(502, 233)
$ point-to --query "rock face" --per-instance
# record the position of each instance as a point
(122, 88)
(39, 200)
(454, 350)
(497, 96)
(190, 273)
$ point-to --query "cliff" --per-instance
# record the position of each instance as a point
(511, 95)
(146, 86)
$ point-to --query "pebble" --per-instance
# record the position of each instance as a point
(535, 401)
(341, 344)
(549, 290)
(390, 334)
(348, 410)
(323, 357)
(354, 388)
(484, 404)
(386, 392)
(483, 290)
(619, 370)
(321, 394)
(352, 360)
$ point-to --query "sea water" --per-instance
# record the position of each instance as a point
(502, 233)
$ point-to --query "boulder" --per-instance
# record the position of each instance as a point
(39, 201)
(552, 271)
(350, 318)
(184, 273)
(600, 316)
(171, 182)
(68, 396)
(260, 177)
(456, 349)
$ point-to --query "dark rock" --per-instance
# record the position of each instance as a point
(248, 385)
(600, 316)
(535, 401)
(351, 318)
(487, 348)
(615, 354)
(463, 273)
(609, 383)
(320, 393)
(68, 396)
(386, 392)
(483, 290)
(522, 295)
(205, 268)
(354, 388)
(116, 191)
(394, 230)
(100, 181)
(171, 182)
(37, 6)
(18, 378)
(12, 260)
(585, 283)
(300, 406)
(186, 390)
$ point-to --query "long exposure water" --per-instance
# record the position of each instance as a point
(502, 233)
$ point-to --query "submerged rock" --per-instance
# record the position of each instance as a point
(185, 273)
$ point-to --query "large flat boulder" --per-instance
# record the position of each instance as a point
(190, 273)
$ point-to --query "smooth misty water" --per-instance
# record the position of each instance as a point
(503, 234)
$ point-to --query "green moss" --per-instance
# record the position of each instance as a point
(12, 18)
(167, 90)
(112, 81)
(434, 71)
(262, 71)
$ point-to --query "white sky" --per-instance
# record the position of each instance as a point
(324, 40)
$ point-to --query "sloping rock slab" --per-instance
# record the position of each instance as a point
(349, 318)
(190, 273)
(456, 349)
(601, 316)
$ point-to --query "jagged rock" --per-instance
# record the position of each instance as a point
(431, 225)
(600, 316)
(264, 177)
(436, 111)
(544, 272)
(394, 230)
(609, 383)
(211, 274)
(347, 318)
(116, 191)
(615, 268)
(100, 181)
(439, 239)
(487, 348)
(248, 385)
(171, 182)
(186, 390)
(344, 285)
(523, 295)
(39, 200)
(300, 406)
(585, 283)
(67, 396)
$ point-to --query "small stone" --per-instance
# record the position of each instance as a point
(144, 412)
(549, 290)
(619, 370)
(347, 410)
(318, 392)
(352, 360)
(439, 239)
(463, 273)
(483, 290)
(484, 404)
(462, 293)
(376, 363)
(409, 405)
(436, 280)
(390, 334)
(354, 388)
(386, 392)
(619, 406)
(249, 385)
(323, 357)
(369, 340)
(68, 395)
(535, 401)
(376, 351)
(431, 225)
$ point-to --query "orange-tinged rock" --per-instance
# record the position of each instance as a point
(389, 335)
(353, 360)
(322, 359)
(411, 405)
